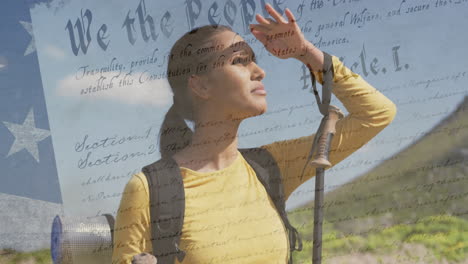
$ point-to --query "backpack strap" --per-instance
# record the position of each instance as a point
(269, 175)
(167, 208)
(328, 75)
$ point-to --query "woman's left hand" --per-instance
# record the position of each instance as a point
(281, 38)
(144, 258)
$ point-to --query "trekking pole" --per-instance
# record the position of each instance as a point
(321, 147)
(321, 150)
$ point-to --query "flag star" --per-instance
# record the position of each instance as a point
(27, 135)
(32, 45)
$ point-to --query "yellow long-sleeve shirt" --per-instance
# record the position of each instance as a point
(229, 217)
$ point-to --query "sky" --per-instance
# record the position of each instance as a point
(426, 39)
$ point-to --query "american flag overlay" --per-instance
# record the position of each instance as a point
(27, 160)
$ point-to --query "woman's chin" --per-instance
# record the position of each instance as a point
(260, 109)
(263, 110)
(244, 115)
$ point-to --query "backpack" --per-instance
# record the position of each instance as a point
(167, 202)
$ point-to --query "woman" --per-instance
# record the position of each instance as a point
(216, 82)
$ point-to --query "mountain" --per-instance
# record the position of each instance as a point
(429, 177)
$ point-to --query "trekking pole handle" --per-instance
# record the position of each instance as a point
(320, 162)
(326, 132)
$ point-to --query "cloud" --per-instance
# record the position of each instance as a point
(54, 52)
(97, 87)
(3, 63)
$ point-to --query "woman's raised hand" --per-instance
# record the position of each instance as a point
(281, 38)
(144, 258)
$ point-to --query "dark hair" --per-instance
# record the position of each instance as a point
(174, 134)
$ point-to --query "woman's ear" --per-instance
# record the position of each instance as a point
(198, 86)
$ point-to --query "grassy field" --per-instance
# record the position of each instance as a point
(434, 239)
(8, 256)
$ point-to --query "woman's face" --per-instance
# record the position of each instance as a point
(233, 80)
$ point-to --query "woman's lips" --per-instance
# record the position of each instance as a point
(259, 89)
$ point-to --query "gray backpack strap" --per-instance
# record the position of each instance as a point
(328, 75)
(167, 208)
(269, 175)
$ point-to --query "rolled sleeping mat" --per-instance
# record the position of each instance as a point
(82, 240)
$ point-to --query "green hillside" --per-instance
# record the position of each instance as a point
(428, 178)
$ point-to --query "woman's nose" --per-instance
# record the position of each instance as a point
(258, 73)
